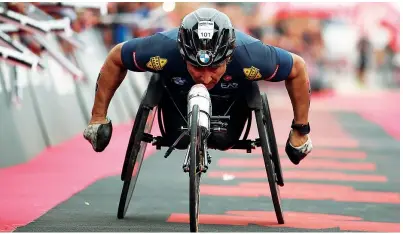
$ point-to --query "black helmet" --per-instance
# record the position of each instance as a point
(206, 37)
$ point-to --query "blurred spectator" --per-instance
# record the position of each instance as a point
(85, 20)
(17, 7)
(274, 23)
(364, 50)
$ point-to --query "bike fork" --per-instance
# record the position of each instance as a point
(186, 161)
(204, 163)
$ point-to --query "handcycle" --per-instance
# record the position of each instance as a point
(200, 125)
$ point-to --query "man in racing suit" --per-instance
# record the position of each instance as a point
(206, 49)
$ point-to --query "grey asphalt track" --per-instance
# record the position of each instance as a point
(162, 192)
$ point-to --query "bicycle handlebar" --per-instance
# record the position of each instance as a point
(220, 117)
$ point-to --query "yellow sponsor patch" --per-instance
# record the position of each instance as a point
(252, 73)
(157, 63)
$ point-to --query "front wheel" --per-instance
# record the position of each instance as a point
(195, 160)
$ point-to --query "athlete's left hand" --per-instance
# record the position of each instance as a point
(298, 146)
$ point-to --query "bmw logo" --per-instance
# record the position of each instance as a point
(204, 57)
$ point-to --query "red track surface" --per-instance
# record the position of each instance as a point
(32, 189)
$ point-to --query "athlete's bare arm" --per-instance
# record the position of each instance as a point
(110, 77)
(298, 89)
(297, 86)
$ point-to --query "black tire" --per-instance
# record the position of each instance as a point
(136, 125)
(194, 172)
(272, 140)
(133, 164)
(264, 139)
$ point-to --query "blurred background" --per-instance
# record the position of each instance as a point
(353, 44)
(51, 51)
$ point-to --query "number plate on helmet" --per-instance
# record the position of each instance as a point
(205, 29)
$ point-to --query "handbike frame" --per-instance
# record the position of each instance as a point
(151, 100)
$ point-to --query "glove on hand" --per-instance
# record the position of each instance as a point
(99, 135)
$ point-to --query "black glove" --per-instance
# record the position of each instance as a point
(99, 135)
(296, 154)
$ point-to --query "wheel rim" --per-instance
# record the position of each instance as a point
(135, 166)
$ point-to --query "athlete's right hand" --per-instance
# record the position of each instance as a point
(99, 133)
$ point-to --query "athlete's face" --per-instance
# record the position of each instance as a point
(209, 76)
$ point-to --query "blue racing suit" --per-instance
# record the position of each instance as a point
(252, 61)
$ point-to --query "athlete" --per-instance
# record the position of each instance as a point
(205, 49)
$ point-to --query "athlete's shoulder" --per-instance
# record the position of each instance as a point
(254, 59)
(156, 53)
(257, 61)
(243, 39)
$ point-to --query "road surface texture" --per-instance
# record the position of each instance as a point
(350, 182)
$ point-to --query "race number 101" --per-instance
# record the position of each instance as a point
(204, 35)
